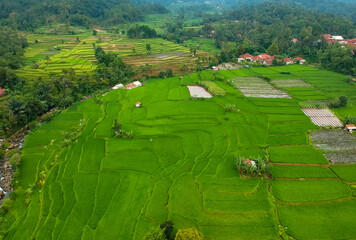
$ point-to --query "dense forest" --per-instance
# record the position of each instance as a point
(28, 15)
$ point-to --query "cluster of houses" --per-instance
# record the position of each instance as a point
(267, 59)
(128, 86)
(332, 39)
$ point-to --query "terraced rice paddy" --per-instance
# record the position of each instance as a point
(257, 87)
(52, 54)
(180, 166)
(290, 83)
(322, 117)
(72, 55)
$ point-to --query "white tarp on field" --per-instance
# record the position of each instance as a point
(322, 117)
(198, 92)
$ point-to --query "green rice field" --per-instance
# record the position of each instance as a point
(180, 164)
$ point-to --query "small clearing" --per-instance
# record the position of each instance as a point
(257, 87)
(198, 92)
(322, 117)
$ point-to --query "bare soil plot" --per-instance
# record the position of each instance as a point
(334, 140)
(290, 83)
(229, 66)
(257, 87)
(198, 92)
(341, 157)
(322, 117)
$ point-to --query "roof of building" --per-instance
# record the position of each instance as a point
(246, 55)
(264, 55)
(2, 90)
(295, 40)
(299, 58)
(287, 60)
(257, 58)
(138, 103)
(269, 60)
(352, 126)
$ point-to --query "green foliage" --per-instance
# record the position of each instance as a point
(273, 49)
(15, 160)
(155, 234)
(258, 167)
(141, 32)
(338, 102)
(167, 226)
(189, 234)
(231, 108)
(119, 132)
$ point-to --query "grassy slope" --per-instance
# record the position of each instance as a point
(180, 166)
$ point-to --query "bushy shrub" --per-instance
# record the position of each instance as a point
(155, 234)
(231, 108)
(15, 160)
(258, 169)
(189, 234)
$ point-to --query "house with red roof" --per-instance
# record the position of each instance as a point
(350, 128)
(301, 60)
(133, 85)
(264, 55)
(138, 104)
(249, 162)
(331, 39)
(294, 40)
(288, 61)
(246, 56)
(257, 59)
(2, 91)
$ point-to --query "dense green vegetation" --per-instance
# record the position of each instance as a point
(78, 180)
(239, 165)
(29, 15)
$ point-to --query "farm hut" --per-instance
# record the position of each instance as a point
(181, 78)
(2, 90)
(250, 162)
(350, 127)
(117, 86)
(294, 40)
(138, 104)
(137, 84)
(215, 68)
(133, 85)
(288, 61)
(301, 60)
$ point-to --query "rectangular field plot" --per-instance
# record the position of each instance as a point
(296, 154)
(322, 117)
(334, 140)
(198, 92)
(280, 171)
(345, 172)
(334, 220)
(314, 190)
(290, 83)
(257, 87)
